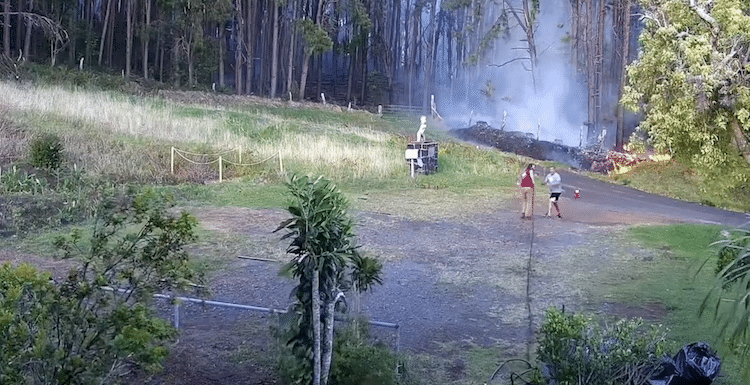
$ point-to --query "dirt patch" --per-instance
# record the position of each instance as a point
(479, 280)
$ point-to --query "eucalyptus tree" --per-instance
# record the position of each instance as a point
(323, 250)
(693, 84)
(316, 41)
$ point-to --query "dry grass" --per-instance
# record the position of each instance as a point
(107, 132)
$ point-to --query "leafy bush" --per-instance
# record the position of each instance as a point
(356, 361)
(577, 350)
(359, 362)
(46, 152)
(98, 321)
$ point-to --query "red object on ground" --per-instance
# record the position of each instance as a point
(577, 194)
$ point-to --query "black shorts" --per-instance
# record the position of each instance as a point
(554, 196)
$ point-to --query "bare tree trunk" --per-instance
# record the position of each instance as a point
(6, 28)
(350, 78)
(430, 59)
(620, 140)
(146, 37)
(303, 76)
(292, 48)
(27, 38)
(275, 50)
(160, 52)
(129, 37)
(252, 29)
(396, 48)
(222, 53)
(599, 61)
(239, 37)
(176, 61)
(591, 66)
(416, 35)
(363, 93)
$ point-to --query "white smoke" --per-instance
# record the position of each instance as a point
(553, 106)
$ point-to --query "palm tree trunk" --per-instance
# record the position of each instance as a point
(328, 351)
(316, 325)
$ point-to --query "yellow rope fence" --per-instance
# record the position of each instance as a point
(220, 159)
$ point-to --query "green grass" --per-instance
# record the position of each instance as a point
(673, 274)
(676, 180)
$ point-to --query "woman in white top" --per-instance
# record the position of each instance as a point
(555, 189)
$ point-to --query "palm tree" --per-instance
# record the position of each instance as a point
(323, 248)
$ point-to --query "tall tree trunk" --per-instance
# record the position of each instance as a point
(111, 39)
(146, 37)
(396, 48)
(176, 58)
(591, 68)
(620, 140)
(600, 62)
(303, 76)
(416, 35)
(275, 50)
(20, 25)
(160, 52)
(72, 32)
(239, 37)
(429, 70)
(6, 28)
(252, 33)
(363, 88)
(129, 37)
(222, 54)
(27, 38)
(350, 78)
(292, 49)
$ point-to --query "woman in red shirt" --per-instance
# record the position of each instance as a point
(527, 192)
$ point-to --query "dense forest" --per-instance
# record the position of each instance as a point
(500, 61)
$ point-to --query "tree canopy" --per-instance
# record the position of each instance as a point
(692, 80)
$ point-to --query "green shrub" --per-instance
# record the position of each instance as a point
(359, 362)
(95, 324)
(46, 152)
(356, 360)
(575, 349)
